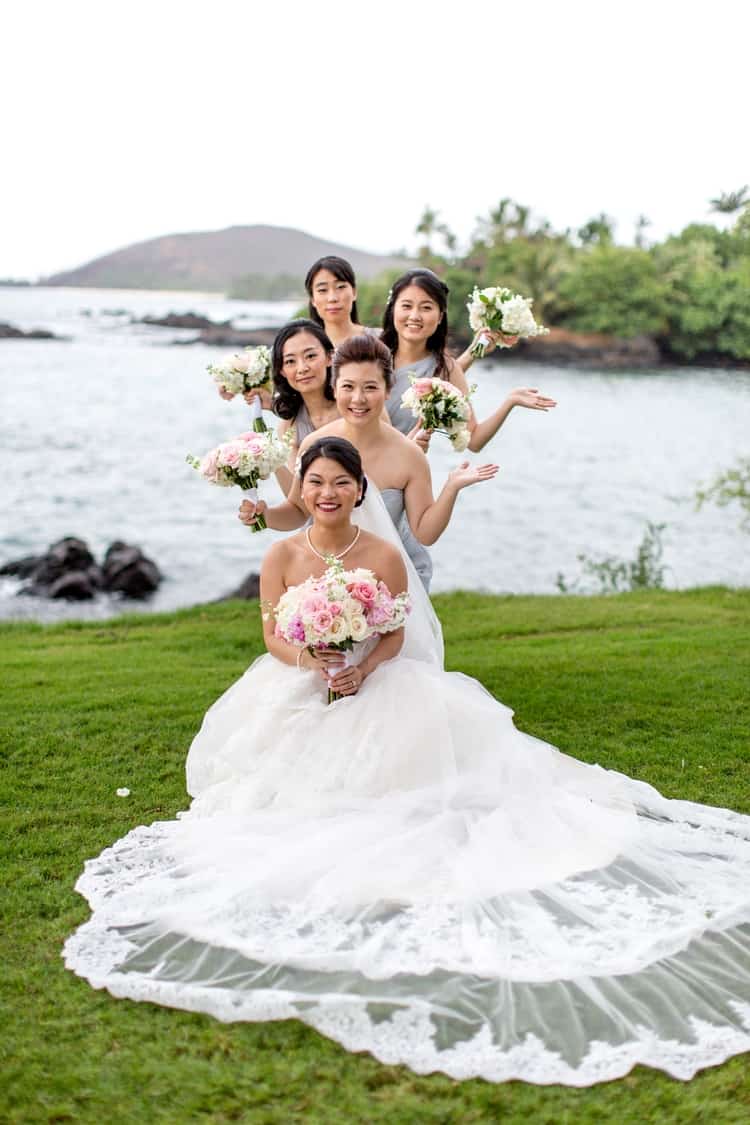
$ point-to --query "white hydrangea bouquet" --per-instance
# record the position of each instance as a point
(500, 310)
(337, 610)
(244, 461)
(249, 370)
(440, 406)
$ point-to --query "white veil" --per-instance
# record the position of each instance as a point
(423, 636)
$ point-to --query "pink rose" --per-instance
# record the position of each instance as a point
(314, 604)
(229, 455)
(209, 465)
(334, 609)
(322, 621)
(364, 592)
(423, 387)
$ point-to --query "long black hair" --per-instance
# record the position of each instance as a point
(343, 453)
(342, 270)
(431, 284)
(287, 401)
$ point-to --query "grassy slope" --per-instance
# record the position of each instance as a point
(653, 684)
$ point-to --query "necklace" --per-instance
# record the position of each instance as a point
(340, 555)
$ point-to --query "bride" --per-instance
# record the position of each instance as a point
(409, 874)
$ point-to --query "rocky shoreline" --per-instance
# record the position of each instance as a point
(69, 571)
(10, 332)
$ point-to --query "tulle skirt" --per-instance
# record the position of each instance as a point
(409, 874)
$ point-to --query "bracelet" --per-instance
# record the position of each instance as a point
(300, 654)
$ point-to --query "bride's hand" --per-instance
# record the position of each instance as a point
(467, 474)
(347, 681)
(530, 398)
(421, 437)
(327, 661)
(249, 511)
(266, 400)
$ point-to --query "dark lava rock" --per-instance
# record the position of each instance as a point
(67, 555)
(229, 337)
(9, 332)
(22, 568)
(69, 570)
(126, 570)
(76, 585)
(590, 349)
(184, 320)
(247, 590)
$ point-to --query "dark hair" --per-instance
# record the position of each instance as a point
(342, 452)
(431, 284)
(342, 270)
(287, 401)
(364, 349)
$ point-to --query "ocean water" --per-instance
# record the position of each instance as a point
(94, 431)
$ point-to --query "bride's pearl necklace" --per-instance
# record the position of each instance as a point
(340, 555)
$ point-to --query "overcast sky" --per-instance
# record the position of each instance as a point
(124, 122)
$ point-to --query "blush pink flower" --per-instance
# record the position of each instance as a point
(423, 387)
(364, 592)
(322, 621)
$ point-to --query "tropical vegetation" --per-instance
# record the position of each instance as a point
(690, 293)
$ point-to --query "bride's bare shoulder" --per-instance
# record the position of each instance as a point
(384, 559)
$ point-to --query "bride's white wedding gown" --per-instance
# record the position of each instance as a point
(409, 874)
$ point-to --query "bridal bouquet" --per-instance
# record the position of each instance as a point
(440, 406)
(338, 610)
(244, 461)
(500, 310)
(249, 370)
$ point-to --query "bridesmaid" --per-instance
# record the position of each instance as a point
(302, 392)
(415, 329)
(362, 375)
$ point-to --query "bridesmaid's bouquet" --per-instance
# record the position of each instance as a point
(338, 610)
(244, 461)
(500, 310)
(440, 406)
(249, 370)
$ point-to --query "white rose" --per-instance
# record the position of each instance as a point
(358, 627)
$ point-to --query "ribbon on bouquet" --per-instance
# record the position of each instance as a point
(349, 662)
(251, 494)
(256, 415)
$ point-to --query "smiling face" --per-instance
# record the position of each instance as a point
(329, 491)
(304, 362)
(416, 314)
(360, 391)
(331, 297)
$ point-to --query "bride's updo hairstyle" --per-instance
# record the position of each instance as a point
(364, 349)
(287, 401)
(438, 291)
(342, 271)
(343, 453)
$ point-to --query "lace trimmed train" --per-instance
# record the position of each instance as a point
(408, 873)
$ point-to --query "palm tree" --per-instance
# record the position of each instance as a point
(427, 226)
(730, 201)
(640, 231)
(597, 232)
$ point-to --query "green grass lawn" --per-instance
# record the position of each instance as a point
(654, 684)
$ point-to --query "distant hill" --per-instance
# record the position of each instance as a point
(263, 259)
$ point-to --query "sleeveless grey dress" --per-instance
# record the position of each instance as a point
(303, 424)
(403, 419)
(393, 498)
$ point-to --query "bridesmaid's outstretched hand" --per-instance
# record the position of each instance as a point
(531, 399)
(467, 474)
